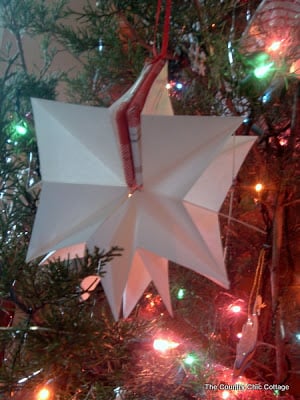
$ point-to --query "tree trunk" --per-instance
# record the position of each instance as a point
(281, 367)
(278, 225)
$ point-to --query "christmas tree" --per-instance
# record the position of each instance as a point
(59, 339)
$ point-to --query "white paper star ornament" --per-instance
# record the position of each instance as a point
(91, 207)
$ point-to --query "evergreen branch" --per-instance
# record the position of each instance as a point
(21, 51)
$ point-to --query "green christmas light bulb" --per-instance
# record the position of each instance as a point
(21, 128)
(263, 70)
(180, 294)
(190, 359)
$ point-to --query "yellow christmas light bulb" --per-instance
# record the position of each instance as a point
(274, 46)
(295, 68)
(164, 345)
(283, 142)
(235, 308)
(225, 394)
(258, 187)
(44, 394)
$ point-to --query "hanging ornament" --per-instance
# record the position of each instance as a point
(140, 224)
(129, 199)
(247, 344)
(270, 49)
(33, 176)
(120, 393)
(275, 30)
